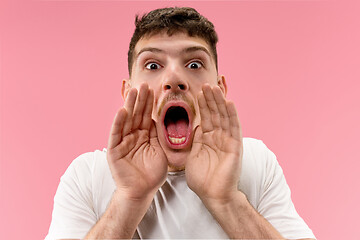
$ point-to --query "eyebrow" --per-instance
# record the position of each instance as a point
(196, 48)
(186, 50)
(148, 49)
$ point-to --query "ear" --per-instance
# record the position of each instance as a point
(222, 84)
(125, 87)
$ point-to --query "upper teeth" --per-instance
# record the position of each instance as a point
(177, 140)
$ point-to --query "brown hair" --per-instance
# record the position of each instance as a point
(173, 20)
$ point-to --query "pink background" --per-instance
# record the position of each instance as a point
(293, 69)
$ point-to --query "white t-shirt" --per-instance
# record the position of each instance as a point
(176, 211)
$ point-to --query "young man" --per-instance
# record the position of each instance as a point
(176, 165)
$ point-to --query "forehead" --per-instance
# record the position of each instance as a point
(173, 45)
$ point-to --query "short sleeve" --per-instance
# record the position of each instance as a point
(73, 214)
(275, 202)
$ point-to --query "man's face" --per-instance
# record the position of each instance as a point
(175, 67)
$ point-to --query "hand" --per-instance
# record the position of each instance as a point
(214, 163)
(136, 159)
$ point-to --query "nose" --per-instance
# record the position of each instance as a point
(174, 81)
(174, 87)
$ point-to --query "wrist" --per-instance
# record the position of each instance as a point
(120, 198)
(240, 220)
(234, 200)
(124, 214)
(121, 217)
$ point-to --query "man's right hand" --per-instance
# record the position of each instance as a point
(138, 166)
(137, 162)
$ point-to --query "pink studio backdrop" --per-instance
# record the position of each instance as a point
(292, 67)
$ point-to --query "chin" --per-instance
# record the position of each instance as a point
(176, 155)
(176, 159)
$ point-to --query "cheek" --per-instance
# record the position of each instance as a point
(156, 106)
(154, 114)
(197, 118)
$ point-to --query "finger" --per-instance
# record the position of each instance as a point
(129, 106)
(235, 128)
(197, 142)
(147, 115)
(116, 128)
(206, 123)
(221, 105)
(154, 141)
(153, 132)
(140, 106)
(210, 101)
(128, 143)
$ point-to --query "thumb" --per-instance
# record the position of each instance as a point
(153, 134)
(198, 140)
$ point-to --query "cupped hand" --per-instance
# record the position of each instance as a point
(214, 163)
(137, 162)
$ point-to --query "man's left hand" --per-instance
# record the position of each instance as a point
(214, 164)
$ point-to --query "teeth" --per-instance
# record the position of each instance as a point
(175, 140)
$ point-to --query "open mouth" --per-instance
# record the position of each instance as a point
(177, 124)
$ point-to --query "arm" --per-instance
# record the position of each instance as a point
(240, 220)
(138, 166)
(120, 218)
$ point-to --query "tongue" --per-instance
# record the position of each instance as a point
(178, 128)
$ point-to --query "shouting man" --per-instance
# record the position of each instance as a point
(176, 165)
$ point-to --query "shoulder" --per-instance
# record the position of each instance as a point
(257, 154)
(258, 165)
(267, 190)
(89, 176)
(80, 174)
(74, 209)
(86, 162)
(81, 170)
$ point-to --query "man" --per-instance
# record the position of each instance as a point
(176, 165)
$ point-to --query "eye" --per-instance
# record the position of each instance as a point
(194, 65)
(152, 66)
